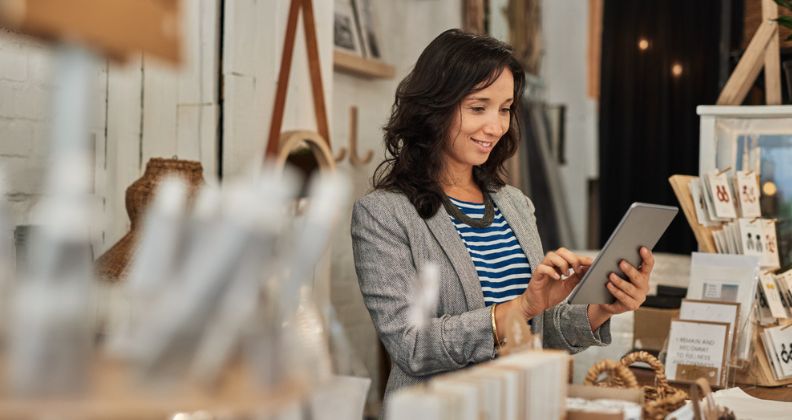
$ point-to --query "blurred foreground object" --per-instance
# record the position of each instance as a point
(116, 28)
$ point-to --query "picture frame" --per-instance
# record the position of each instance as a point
(757, 138)
(369, 28)
(697, 349)
(708, 310)
(346, 31)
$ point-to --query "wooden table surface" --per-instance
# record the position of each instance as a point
(782, 393)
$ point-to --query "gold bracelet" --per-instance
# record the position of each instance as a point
(494, 326)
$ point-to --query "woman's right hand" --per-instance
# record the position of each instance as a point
(552, 281)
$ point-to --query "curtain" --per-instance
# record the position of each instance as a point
(648, 126)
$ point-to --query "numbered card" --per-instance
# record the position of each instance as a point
(697, 349)
(769, 257)
(748, 194)
(720, 191)
(772, 296)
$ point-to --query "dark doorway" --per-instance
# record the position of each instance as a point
(660, 59)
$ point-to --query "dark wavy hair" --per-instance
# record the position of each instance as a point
(453, 65)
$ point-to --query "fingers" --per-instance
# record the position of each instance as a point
(548, 271)
(556, 261)
(623, 285)
(624, 298)
(563, 259)
(637, 278)
(648, 260)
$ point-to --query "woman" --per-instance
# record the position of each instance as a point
(440, 197)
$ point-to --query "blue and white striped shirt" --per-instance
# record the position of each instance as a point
(501, 265)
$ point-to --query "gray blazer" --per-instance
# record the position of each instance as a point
(390, 240)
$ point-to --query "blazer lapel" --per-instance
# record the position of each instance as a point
(525, 231)
(446, 234)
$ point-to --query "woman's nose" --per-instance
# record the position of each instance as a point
(495, 127)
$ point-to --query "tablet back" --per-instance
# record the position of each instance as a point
(642, 225)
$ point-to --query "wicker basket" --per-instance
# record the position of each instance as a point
(112, 265)
(659, 399)
(616, 375)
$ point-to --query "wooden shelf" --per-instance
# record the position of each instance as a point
(358, 66)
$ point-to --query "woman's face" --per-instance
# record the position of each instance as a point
(483, 118)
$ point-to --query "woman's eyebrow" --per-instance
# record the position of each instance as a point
(486, 99)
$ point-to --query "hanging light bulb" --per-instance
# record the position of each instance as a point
(643, 44)
(769, 188)
(676, 69)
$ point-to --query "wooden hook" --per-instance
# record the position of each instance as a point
(341, 154)
(354, 158)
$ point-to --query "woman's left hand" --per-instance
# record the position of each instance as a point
(629, 294)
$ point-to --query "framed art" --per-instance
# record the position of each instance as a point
(366, 13)
(346, 33)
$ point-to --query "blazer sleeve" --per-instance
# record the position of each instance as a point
(386, 272)
(566, 326)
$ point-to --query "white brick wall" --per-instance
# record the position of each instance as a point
(178, 116)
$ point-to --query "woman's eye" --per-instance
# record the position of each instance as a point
(477, 109)
(506, 110)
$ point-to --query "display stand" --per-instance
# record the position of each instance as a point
(759, 372)
(680, 185)
(277, 138)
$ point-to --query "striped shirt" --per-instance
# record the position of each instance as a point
(501, 265)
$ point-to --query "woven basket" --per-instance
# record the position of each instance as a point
(616, 375)
(111, 266)
(659, 399)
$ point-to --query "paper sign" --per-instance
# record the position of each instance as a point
(720, 191)
(772, 296)
(748, 194)
(703, 310)
(697, 343)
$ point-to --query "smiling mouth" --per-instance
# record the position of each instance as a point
(484, 144)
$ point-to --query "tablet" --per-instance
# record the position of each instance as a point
(642, 225)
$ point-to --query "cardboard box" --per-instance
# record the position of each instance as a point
(597, 392)
(651, 326)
